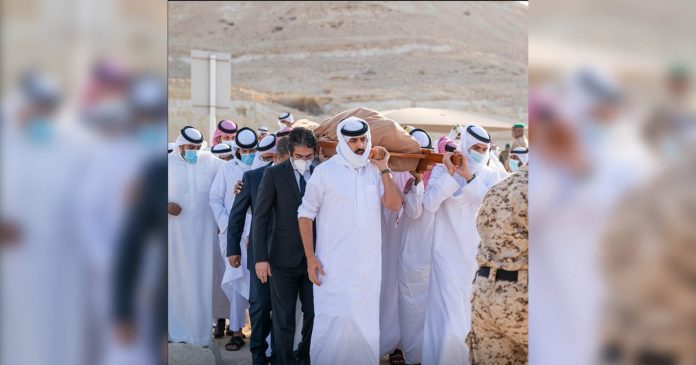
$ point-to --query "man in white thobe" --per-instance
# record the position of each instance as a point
(454, 196)
(389, 326)
(192, 231)
(343, 197)
(414, 266)
(235, 282)
(42, 264)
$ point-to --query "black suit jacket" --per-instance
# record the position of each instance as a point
(277, 203)
(243, 201)
(146, 220)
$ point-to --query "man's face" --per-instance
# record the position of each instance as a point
(185, 147)
(605, 112)
(262, 135)
(35, 111)
(246, 151)
(226, 158)
(517, 132)
(268, 156)
(480, 148)
(228, 137)
(358, 144)
(303, 153)
(514, 157)
(278, 159)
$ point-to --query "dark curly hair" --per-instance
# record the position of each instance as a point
(302, 137)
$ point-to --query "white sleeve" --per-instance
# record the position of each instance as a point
(217, 200)
(439, 190)
(413, 201)
(476, 190)
(314, 194)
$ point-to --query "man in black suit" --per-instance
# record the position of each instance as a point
(259, 293)
(146, 224)
(280, 194)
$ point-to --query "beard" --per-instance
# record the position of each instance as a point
(359, 151)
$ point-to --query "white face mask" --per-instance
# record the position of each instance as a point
(301, 165)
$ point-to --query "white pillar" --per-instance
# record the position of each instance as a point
(211, 103)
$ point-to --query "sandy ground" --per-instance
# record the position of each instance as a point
(184, 354)
(316, 59)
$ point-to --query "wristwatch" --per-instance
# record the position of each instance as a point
(385, 171)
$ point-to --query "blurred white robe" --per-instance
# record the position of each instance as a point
(42, 278)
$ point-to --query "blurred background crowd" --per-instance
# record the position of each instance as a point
(612, 122)
(84, 112)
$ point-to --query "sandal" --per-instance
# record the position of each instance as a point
(235, 343)
(397, 358)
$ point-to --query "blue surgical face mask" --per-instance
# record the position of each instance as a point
(152, 134)
(475, 157)
(40, 130)
(191, 156)
(514, 165)
(248, 159)
(229, 143)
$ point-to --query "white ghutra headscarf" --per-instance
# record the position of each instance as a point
(475, 134)
(349, 128)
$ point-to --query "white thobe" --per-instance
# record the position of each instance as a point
(565, 259)
(43, 277)
(191, 237)
(455, 204)
(346, 205)
(389, 326)
(101, 218)
(414, 272)
(235, 281)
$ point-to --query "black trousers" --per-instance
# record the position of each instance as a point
(260, 317)
(286, 285)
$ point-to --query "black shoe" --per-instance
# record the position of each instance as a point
(219, 329)
(301, 359)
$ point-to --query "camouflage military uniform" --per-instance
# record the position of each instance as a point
(499, 307)
(649, 266)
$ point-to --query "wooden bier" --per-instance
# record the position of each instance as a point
(427, 158)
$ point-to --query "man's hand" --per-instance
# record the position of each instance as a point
(463, 170)
(234, 260)
(238, 187)
(314, 269)
(125, 332)
(447, 161)
(417, 176)
(321, 156)
(174, 208)
(263, 271)
(383, 163)
(10, 233)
